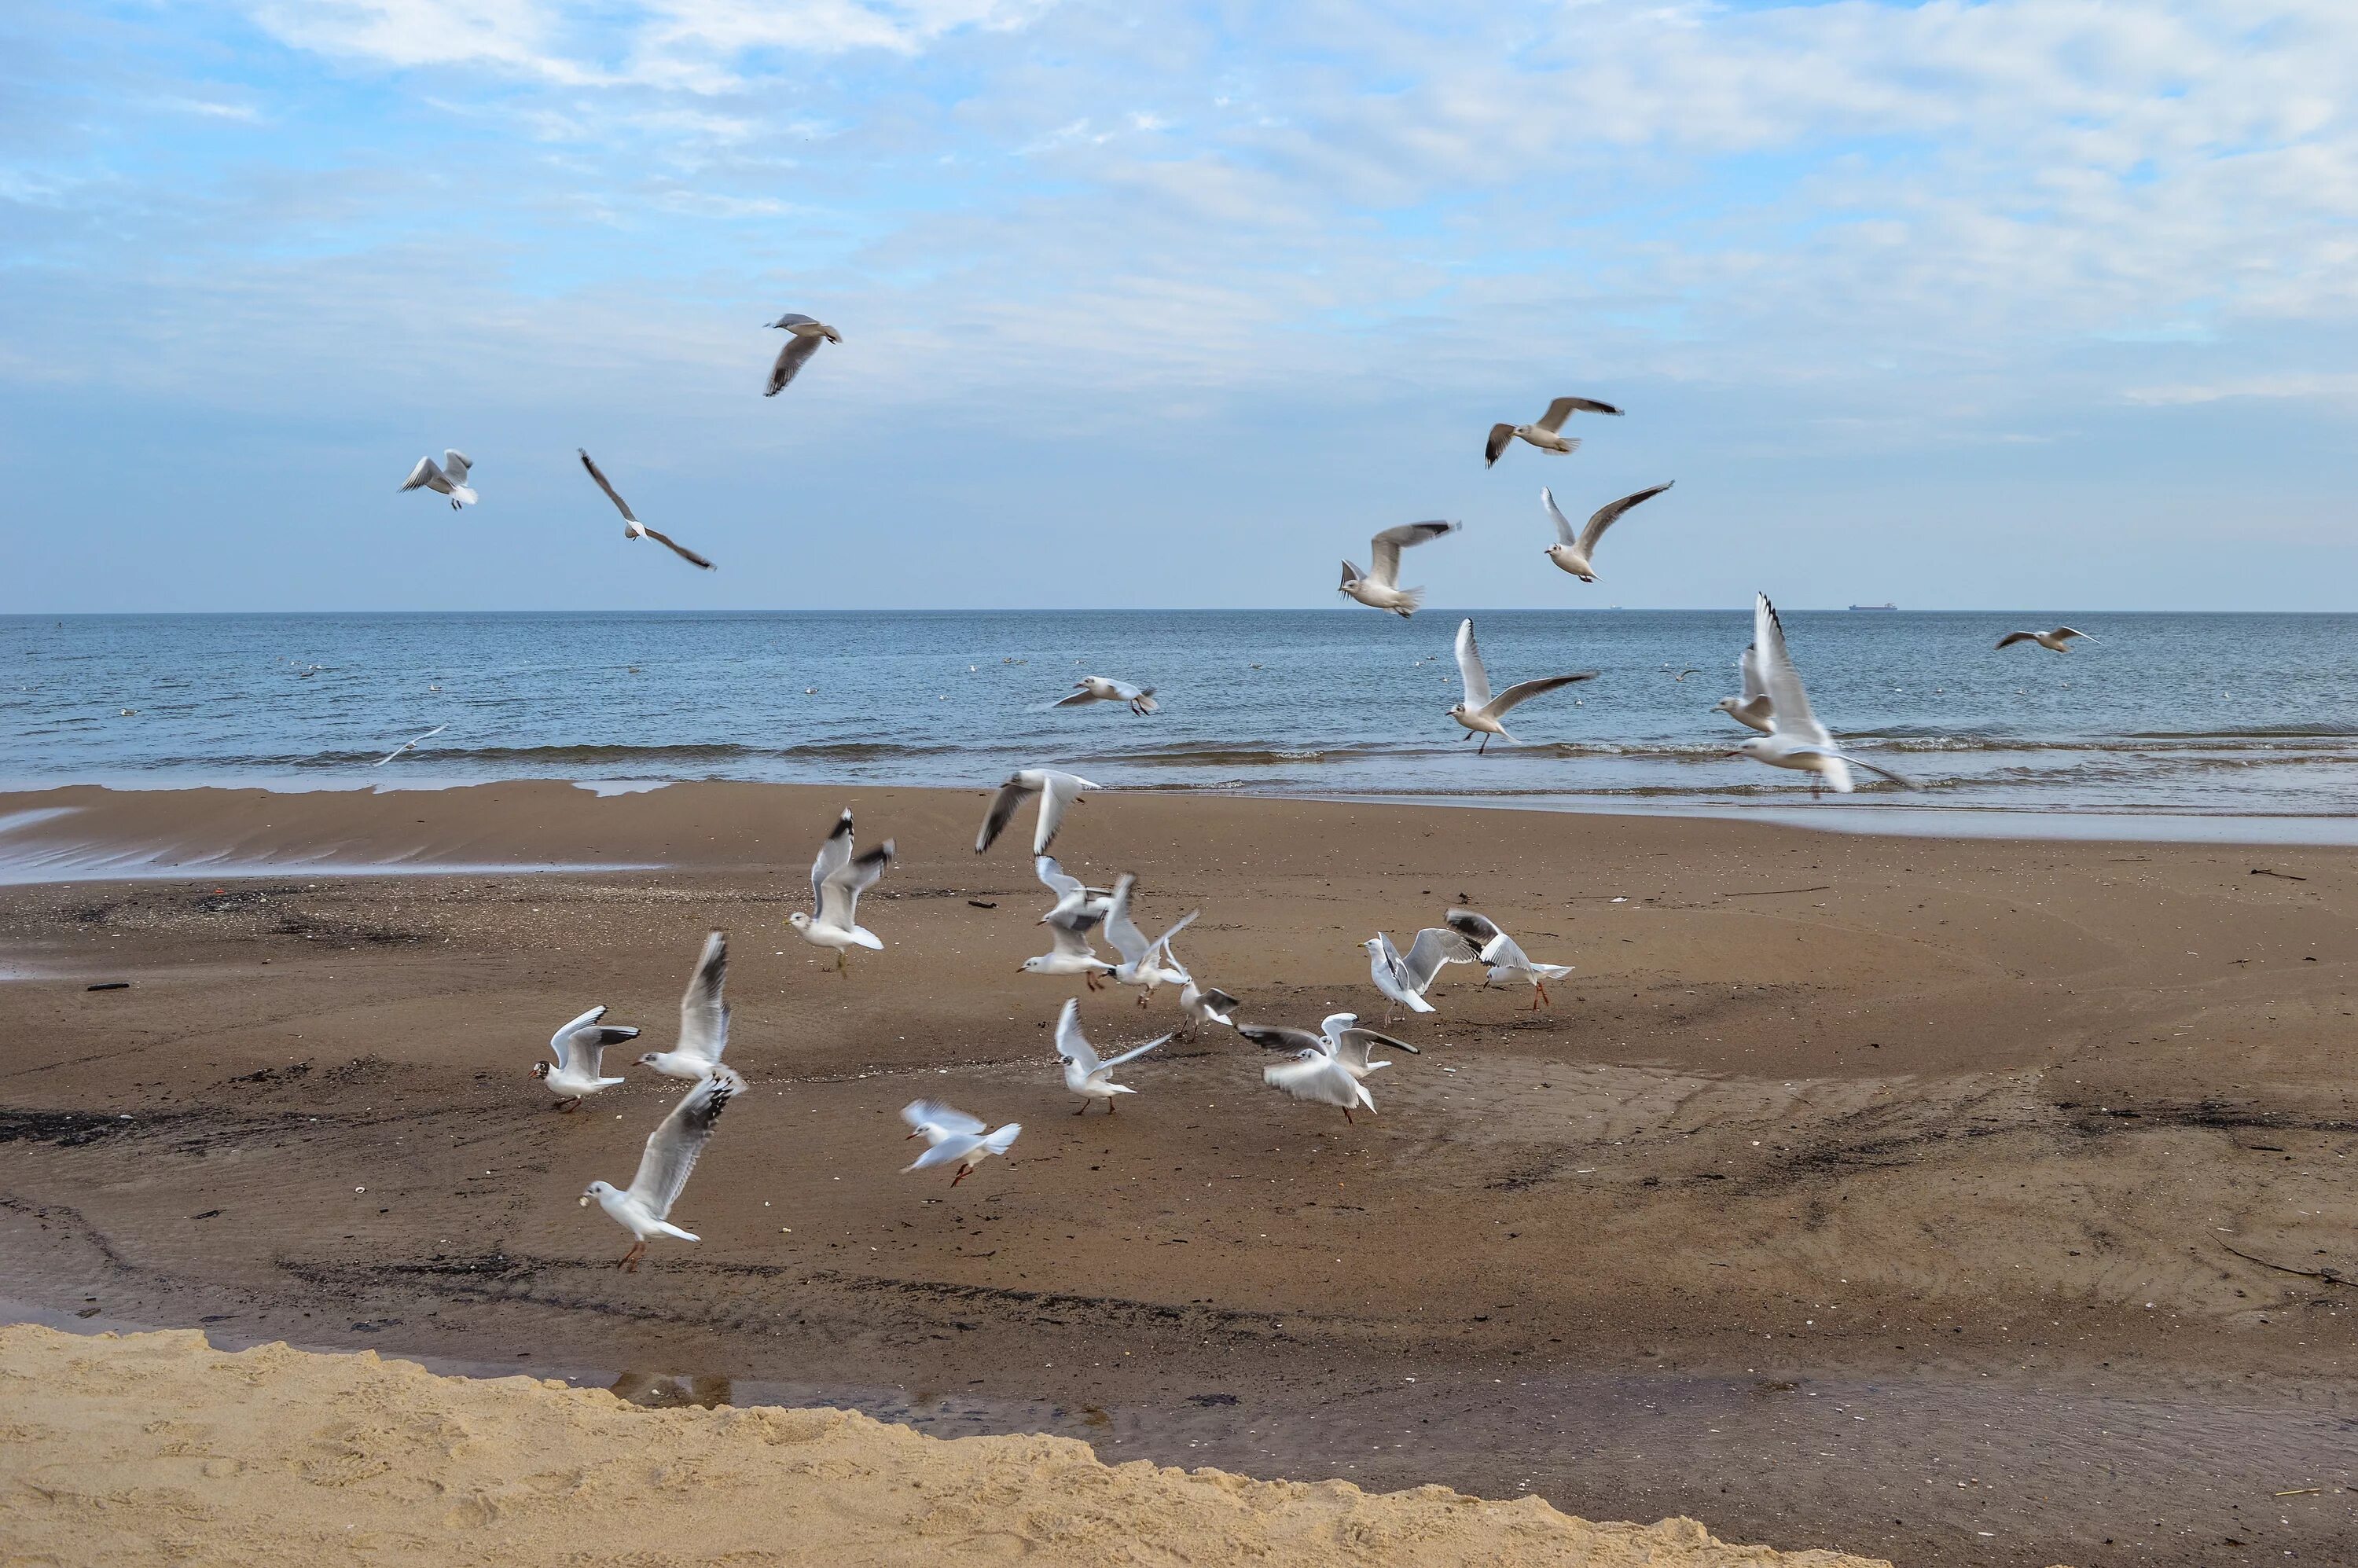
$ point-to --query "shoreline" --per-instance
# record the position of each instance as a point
(1841, 1162)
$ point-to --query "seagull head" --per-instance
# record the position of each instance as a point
(1753, 746)
(540, 1069)
(1457, 711)
(596, 1190)
(649, 1058)
(1725, 705)
(799, 919)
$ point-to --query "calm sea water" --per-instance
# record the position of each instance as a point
(2197, 716)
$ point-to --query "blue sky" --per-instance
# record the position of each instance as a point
(2027, 302)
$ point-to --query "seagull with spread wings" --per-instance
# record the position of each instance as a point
(703, 1017)
(406, 745)
(673, 1149)
(1482, 713)
(634, 529)
(804, 336)
(1339, 1036)
(1575, 552)
(1798, 741)
(1056, 790)
(581, 1049)
(1144, 964)
(1753, 709)
(1380, 588)
(954, 1137)
(448, 477)
(1086, 1072)
(2058, 641)
(1103, 688)
(1544, 432)
(838, 878)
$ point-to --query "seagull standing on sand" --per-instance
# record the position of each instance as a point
(838, 878)
(1099, 688)
(1753, 709)
(672, 1151)
(2058, 641)
(1203, 1004)
(1544, 431)
(1144, 964)
(448, 479)
(408, 744)
(580, 1047)
(703, 1017)
(634, 529)
(1798, 741)
(1487, 714)
(1086, 1074)
(1380, 588)
(1575, 552)
(1056, 790)
(954, 1138)
(803, 338)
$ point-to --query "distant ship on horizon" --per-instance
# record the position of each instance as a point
(1875, 607)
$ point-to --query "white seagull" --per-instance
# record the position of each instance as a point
(1506, 961)
(1070, 954)
(581, 1047)
(447, 478)
(1086, 1074)
(634, 529)
(1404, 980)
(1317, 1074)
(1753, 709)
(1544, 431)
(1575, 552)
(838, 878)
(408, 744)
(954, 1138)
(1798, 741)
(1144, 964)
(1380, 588)
(1202, 1004)
(1056, 790)
(1079, 905)
(1099, 688)
(703, 1017)
(1339, 1036)
(1487, 714)
(672, 1149)
(2058, 641)
(803, 338)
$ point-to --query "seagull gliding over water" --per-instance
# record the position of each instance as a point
(1380, 588)
(1482, 712)
(2058, 641)
(1575, 552)
(634, 529)
(1798, 741)
(449, 479)
(1753, 709)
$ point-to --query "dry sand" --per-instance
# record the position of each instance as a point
(1952, 1201)
(157, 1448)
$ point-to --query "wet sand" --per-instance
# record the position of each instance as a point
(1946, 1201)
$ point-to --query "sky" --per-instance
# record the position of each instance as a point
(2024, 303)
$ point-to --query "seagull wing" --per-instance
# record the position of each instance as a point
(621, 505)
(1121, 930)
(839, 900)
(1388, 545)
(1783, 681)
(573, 1036)
(790, 360)
(1071, 1044)
(950, 1150)
(1501, 437)
(1605, 516)
(1062, 790)
(1069, 890)
(833, 855)
(1079, 699)
(456, 463)
(1317, 1077)
(1074, 940)
(924, 1113)
(1564, 408)
(1360, 1039)
(676, 548)
(703, 1015)
(1476, 929)
(2067, 633)
(1563, 534)
(1276, 1037)
(424, 474)
(2011, 638)
(408, 744)
(1003, 806)
(1748, 663)
(1503, 951)
(674, 1148)
(796, 319)
(1434, 946)
(1469, 666)
(1162, 943)
(1521, 692)
(1132, 1054)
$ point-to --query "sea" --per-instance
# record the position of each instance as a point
(2229, 726)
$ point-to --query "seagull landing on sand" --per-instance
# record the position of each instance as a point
(1086, 1074)
(1098, 689)
(1544, 431)
(703, 1017)
(1339, 1036)
(1508, 962)
(448, 479)
(1056, 790)
(672, 1151)
(580, 1047)
(2058, 641)
(1380, 588)
(954, 1138)
(634, 529)
(1797, 741)
(1753, 709)
(838, 878)
(408, 744)
(1573, 552)
(1404, 980)
(803, 338)
(1144, 964)
(1203, 1004)
(1483, 713)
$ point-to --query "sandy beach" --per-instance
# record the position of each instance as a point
(1961, 1202)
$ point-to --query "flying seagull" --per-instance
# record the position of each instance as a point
(1098, 689)
(2058, 641)
(954, 1137)
(1574, 552)
(1079, 905)
(1086, 1074)
(1405, 979)
(1339, 1036)
(1544, 431)
(448, 477)
(803, 335)
(838, 878)
(408, 744)
(672, 1151)
(1056, 790)
(1144, 964)
(1506, 961)
(634, 529)
(703, 1017)
(579, 1046)
(1753, 709)
(1797, 741)
(1482, 712)
(1380, 589)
